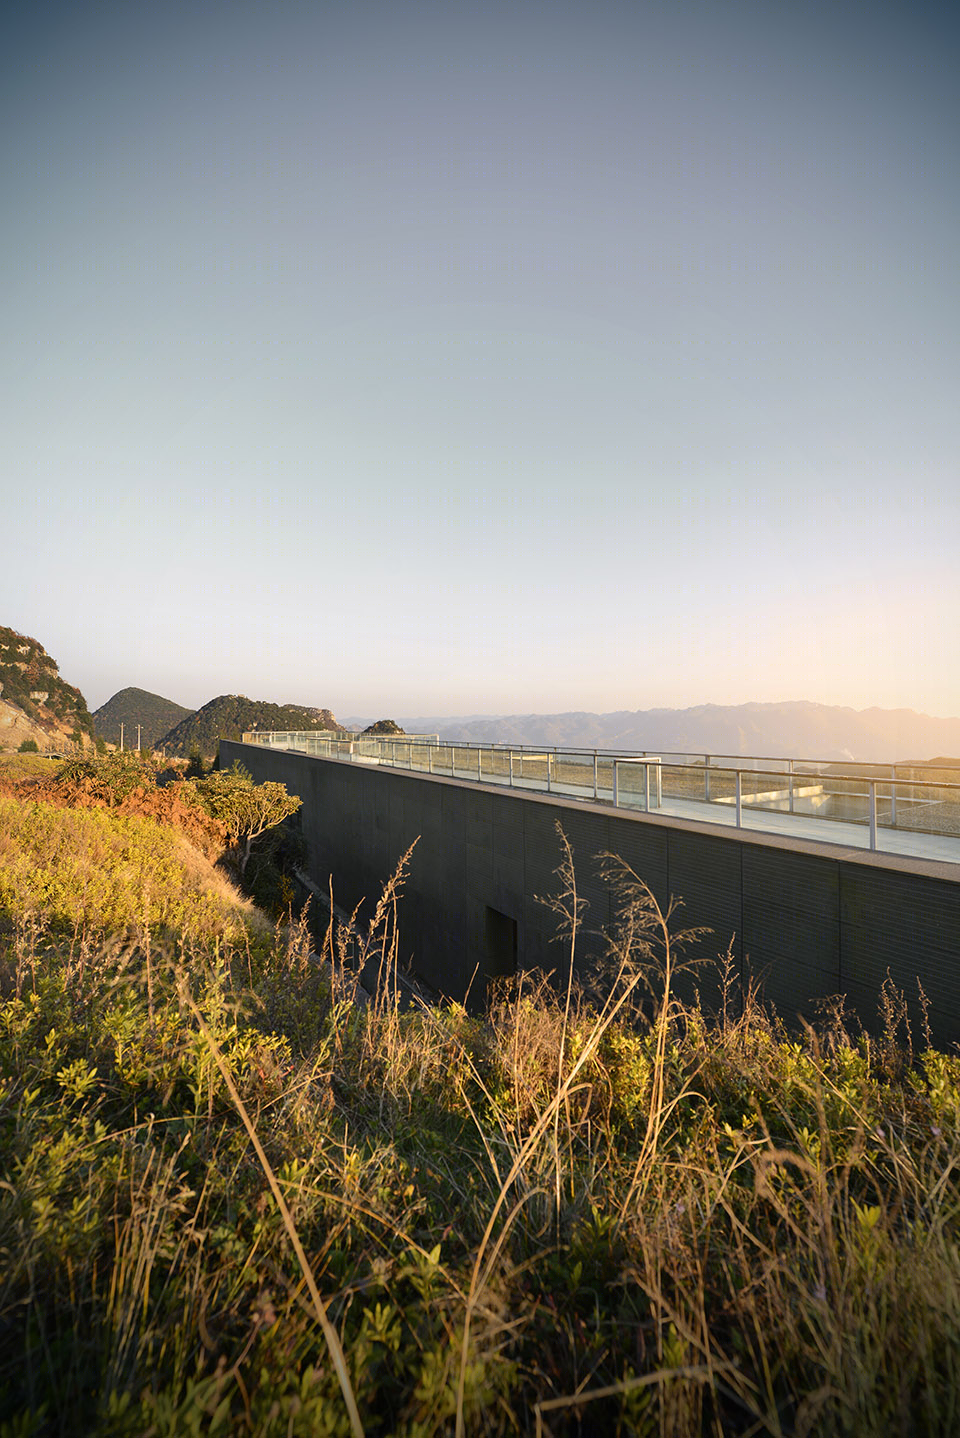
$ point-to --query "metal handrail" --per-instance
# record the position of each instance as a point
(258, 736)
(420, 751)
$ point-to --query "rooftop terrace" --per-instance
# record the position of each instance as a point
(905, 809)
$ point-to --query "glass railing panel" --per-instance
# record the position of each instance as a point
(532, 768)
(574, 771)
(631, 786)
(846, 800)
(715, 792)
(604, 778)
(929, 808)
(682, 781)
(496, 765)
(719, 785)
(465, 762)
(766, 790)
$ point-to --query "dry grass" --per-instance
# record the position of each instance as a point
(233, 1201)
(17, 767)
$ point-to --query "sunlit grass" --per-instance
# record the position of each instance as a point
(87, 868)
(28, 766)
(563, 1217)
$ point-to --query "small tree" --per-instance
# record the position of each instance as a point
(29, 746)
(245, 809)
(195, 765)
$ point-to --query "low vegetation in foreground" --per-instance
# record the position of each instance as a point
(234, 1201)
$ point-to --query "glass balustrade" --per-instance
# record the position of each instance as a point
(899, 808)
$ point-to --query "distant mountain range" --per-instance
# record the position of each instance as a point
(227, 716)
(138, 711)
(36, 703)
(798, 729)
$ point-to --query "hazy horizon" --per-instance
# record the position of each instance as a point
(371, 716)
(461, 359)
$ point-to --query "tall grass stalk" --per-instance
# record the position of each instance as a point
(620, 996)
(329, 1332)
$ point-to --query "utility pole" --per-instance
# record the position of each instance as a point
(121, 736)
(138, 736)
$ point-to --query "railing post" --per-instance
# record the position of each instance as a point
(430, 759)
(873, 813)
(706, 779)
(549, 766)
(893, 795)
(511, 768)
(659, 784)
(646, 788)
(595, 791)
(479, 764)
(790, 782)
(739, 800)
(616, 792)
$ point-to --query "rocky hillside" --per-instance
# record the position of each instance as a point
(227, 716)
(35, 699)
(155, 716)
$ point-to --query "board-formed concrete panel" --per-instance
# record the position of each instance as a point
(811, 919)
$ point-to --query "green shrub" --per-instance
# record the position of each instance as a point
(29, 746)
(245, 809)
(111, 778)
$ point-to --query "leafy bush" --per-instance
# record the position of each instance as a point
(111, 778)
(29, 746)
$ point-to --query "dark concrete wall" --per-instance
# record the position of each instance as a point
(807, 920)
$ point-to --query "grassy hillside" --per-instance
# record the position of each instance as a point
(94, 871)
(227, 716)
(233, 1202)
(14, 767)
(132, 707)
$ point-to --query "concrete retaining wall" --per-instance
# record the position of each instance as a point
(808, 920)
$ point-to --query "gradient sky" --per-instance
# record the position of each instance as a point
(481, 358)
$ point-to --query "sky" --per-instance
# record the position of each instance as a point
(485, 358)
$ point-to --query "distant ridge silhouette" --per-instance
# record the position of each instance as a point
(797, 729)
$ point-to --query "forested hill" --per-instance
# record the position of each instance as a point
(132, 707)
(227, 716)
(30, 682)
